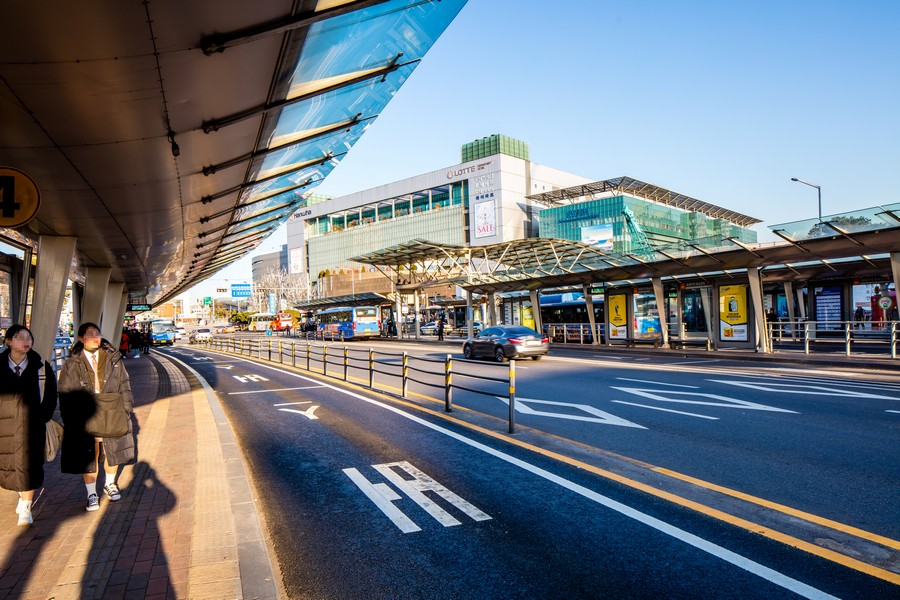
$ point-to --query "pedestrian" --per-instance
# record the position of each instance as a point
(27, 402)
(95, 403)
(859, 316)
(440, 330)
(123, 343)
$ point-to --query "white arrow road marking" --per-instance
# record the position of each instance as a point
(308, 413)
(226, 367)
(798, 388)
(600, 416)
(246, 378)
(669, 410)
(723, 401)
(693, 387)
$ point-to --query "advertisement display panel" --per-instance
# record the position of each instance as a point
(618, 317)
(485, 219)
(598, 236)
(733, 313)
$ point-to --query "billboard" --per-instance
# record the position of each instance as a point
(618, 316)
(240, 290)
(598, 236)
(733, 313)
(485, 219)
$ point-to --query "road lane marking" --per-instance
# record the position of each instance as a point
(799, 388)
(669, 410)
(246, 378)
(735, 559)
(893, 411)
(383, 497)
(290, 403)
(599, 416)
(720, 401)
(290, 389)
(308, 413)
(693, 387)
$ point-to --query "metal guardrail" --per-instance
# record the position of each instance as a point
(312, 358)
(846, 332)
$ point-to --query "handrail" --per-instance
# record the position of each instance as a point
(234, 345)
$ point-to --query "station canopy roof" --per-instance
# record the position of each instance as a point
(640, 189)
(853, 244)
(172, 138)
(361, 299)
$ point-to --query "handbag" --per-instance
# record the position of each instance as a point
(110, 419)
(53, 440)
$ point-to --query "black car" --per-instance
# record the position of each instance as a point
(507, 341)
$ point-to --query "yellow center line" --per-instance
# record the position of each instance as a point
(764, 531)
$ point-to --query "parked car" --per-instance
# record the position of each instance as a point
(202, 334)
(507, 341)
(62, 341)
(429, 328)
(180, 333)
(463, 330)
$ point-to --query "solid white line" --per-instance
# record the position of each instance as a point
(309, 387)
(678, 412)
(693, 387)
(724, 554)
(293, 403)
(893, 411)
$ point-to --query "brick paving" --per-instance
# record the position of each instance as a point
(155, 542)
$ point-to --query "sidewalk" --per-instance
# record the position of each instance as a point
(186, 526)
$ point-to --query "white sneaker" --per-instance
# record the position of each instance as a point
(112, 490)
(24, 512)
(93, 503)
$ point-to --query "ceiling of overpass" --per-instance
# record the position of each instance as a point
(171, 138)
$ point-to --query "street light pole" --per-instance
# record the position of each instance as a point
(818, 187)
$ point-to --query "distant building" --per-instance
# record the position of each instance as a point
(271, 261)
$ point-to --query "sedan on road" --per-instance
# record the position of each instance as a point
(203, 334)
(507, 341)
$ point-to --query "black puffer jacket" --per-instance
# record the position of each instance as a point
(77, 404)
(23, 415)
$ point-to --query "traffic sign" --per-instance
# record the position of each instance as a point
(138, 308)
(19, 198)
(221, 290)
(240, 290)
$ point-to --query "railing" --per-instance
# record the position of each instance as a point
(573, 333)
(848, 333)
(318, 358)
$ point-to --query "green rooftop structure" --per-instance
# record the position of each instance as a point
(494, 144)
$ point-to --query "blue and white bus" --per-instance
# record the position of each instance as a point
(348, 322)
(162, 332)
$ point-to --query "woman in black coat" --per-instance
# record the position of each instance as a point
(24, 412)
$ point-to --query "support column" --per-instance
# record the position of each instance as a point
(661, 309)
(759, 311)
(536, 311)
(416, 313)
(398, 315)
(95, 282)
(592, 320)
(54, 261)
(469, 329)
(895, 268)
(801, 303)
(789, 296)
(111, 321)
(492, 309)
(706, 298)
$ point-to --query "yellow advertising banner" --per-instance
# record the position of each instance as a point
(617, 314)
(528, 317)
(733, 313)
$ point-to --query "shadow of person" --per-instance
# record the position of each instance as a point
(127, 557)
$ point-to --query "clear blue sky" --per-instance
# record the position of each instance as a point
(722, 101)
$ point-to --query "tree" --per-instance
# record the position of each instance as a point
(289, 289)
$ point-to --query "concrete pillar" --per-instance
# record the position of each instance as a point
(77, 300)
(801, 303)
(398, 314)
(416, 313)
(492, 309)
(759, 310)
(706, 298)
(469, 329)
(895, 269)
(51, 277)
(96, 280)
(789, 297)
(661, 309)
(592, 321)
(536, 310)
(111, 320)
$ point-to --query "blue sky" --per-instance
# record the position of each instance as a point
(722, 101)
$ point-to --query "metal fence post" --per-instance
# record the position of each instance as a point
(280, 352)
(308, 348)
(512, 395)
(448, 384)
(269, 349)
(894, 339)
(346, 361)
(806, 337)
(294, 354)
(371, 368)
(324, 360)
(404, 375)
(847, 336)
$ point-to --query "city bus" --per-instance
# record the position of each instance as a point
(162, 332)
(348, 322)
(270, 321)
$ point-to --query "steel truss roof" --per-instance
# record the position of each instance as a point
(640, 189)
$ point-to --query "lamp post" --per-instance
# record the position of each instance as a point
(818, 187)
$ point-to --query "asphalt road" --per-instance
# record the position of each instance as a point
(615, 484)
